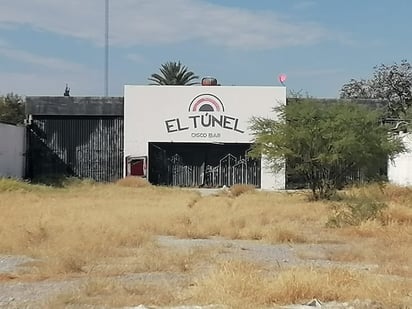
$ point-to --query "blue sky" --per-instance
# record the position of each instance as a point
(318, 44)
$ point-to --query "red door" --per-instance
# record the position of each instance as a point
(136, 166)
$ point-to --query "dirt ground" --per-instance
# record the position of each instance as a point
(105, 246)
(26, 294)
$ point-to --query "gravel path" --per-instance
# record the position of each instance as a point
(10, 263)
(14, 294)
(27, 294)
(279, 254)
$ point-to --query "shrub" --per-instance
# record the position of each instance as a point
(11, 184)
(61, 181)
(355, 210)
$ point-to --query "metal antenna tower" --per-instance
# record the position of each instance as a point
(106, 50)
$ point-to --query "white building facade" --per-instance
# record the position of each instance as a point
(400, 169)
(197, 135)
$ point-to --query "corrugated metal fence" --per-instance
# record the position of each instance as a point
(82, 146)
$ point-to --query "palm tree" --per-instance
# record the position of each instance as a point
(174, 73)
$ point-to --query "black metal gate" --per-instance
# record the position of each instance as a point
(190, 169)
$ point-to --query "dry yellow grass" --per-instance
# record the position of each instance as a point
(385, 192)
(385, 241)
(110, 293)
(388, 247)
(133, 182)
(245, 285)
(240, 189)
(263, 216)
(103, 230)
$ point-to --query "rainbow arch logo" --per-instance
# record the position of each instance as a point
(206, 103)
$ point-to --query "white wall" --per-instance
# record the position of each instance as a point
(12, 150)
(173, 114)
(400, 170)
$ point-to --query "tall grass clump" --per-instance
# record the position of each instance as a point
(11, 185)
(356, 208)
(386, 192)
(62, 181)
(239, 189)
(133, 182)
(239, 284)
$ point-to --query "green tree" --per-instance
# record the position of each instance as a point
(12, 109)
(390, 83)
(323, 142)
(174, 73)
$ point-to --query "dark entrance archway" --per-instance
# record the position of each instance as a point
(202, 164)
